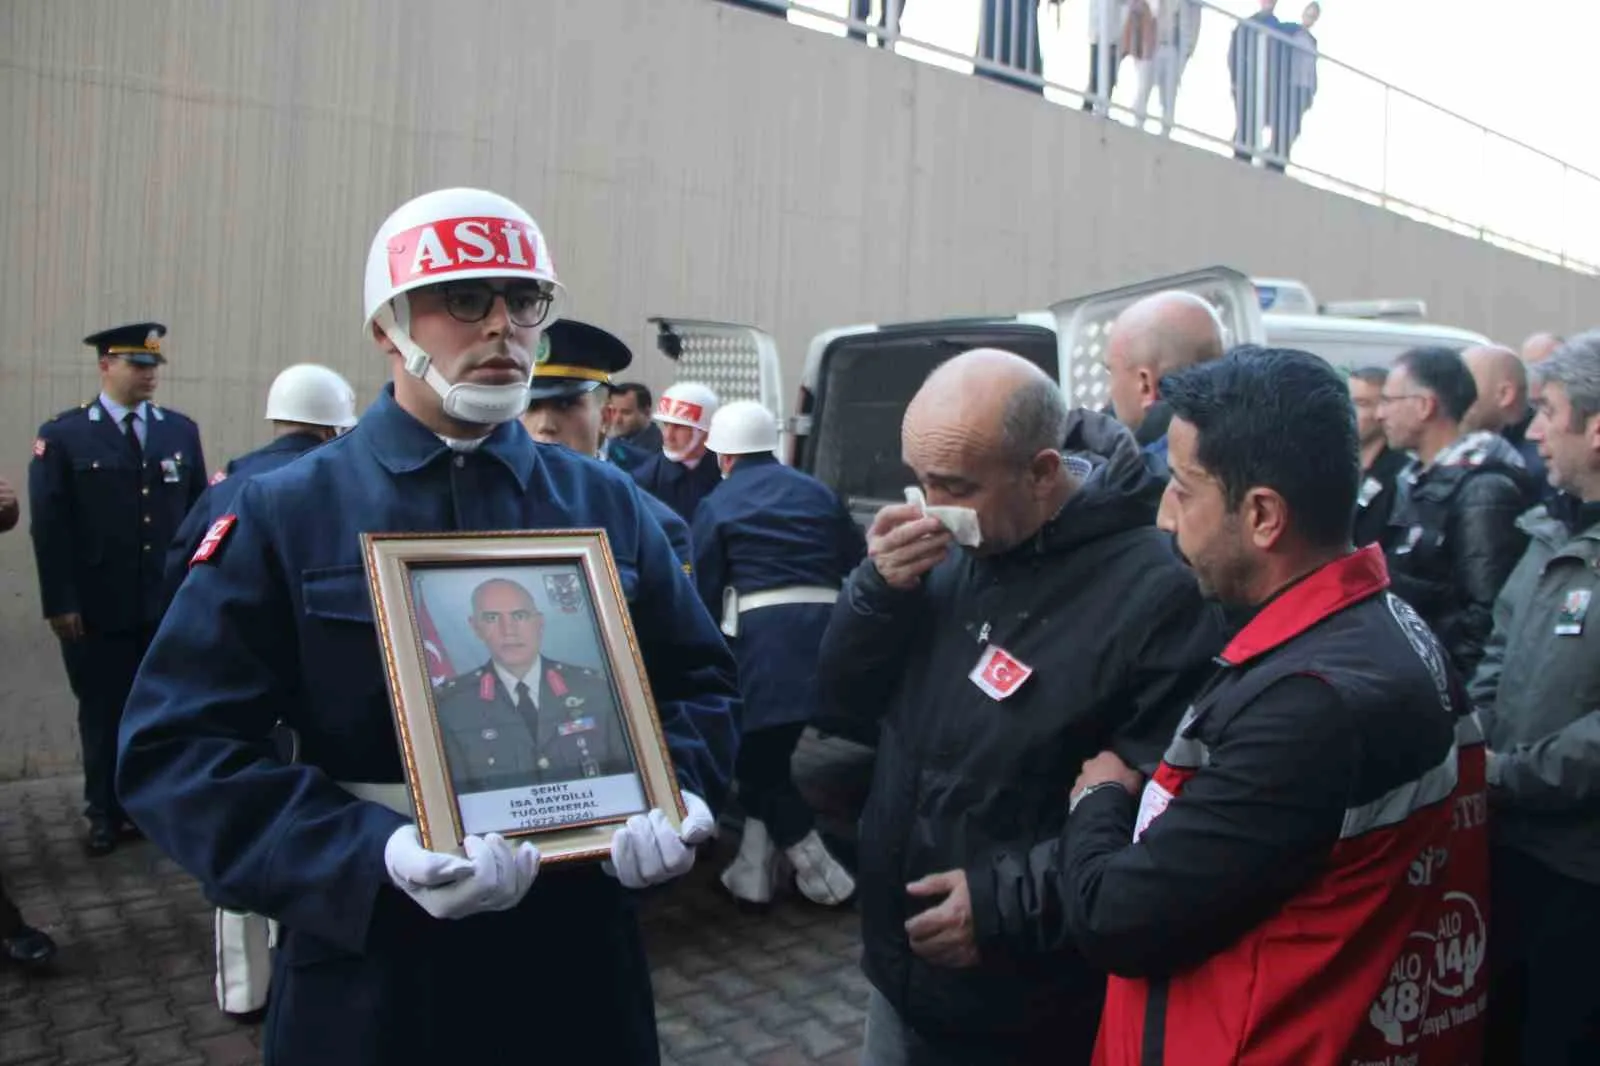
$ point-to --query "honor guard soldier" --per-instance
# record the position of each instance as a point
(773, 546)
(109, 483)
(386, 949)
(684, 471)
(307, 405)
(571, 378)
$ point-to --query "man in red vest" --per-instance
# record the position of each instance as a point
(1305, 878)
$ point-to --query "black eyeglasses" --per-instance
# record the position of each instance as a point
(527, 302)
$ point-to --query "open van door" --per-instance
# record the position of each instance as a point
(858, 382)
(1083, 325)
(737, 362)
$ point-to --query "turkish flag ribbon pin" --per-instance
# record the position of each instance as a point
(998, 673)
(213, 539)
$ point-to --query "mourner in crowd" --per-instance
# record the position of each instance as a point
(1537, 691)
(1261, 896)
(1452, 536)
(1066, 627)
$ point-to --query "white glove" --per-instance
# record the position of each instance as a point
(647, 850)
(493, 877)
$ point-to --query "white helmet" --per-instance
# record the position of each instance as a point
(688, 403)
(313, 395)
(454, 235)
(744, 427)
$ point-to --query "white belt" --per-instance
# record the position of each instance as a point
(733, 604)
(394, 796)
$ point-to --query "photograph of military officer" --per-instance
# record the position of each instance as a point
(524, 718)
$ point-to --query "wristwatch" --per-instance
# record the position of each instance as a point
(1072, 804)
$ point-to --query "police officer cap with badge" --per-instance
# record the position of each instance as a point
(575, 358)
(565, 399)
(138, 343)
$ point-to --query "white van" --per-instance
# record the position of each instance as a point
(857, 380)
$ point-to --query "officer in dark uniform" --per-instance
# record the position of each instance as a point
(109, 484)
(308, 405)
(572, 372)
(522, 719)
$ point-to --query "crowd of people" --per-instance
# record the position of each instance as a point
(1252, 719)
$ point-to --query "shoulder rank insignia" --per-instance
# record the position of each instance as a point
(213, 539)
(95, 414)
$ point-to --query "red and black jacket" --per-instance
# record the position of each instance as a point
(1307, 877)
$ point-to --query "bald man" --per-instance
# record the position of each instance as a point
(1161, 333)
(993, 669)
(1502, 405)
(1539, 347)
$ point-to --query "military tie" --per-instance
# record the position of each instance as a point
(529, 712)
(133, 437)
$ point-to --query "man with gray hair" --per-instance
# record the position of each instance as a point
(1537, 691)
(1062, 624)
(1158, 334)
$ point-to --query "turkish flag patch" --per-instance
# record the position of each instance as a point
(38, 447)
(998, 673)
(213, 539)
(220, 475)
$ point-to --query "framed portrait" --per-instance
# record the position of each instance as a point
(519, 695)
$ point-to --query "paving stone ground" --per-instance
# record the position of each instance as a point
(133, 982)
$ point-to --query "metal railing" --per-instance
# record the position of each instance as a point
(1262, 94)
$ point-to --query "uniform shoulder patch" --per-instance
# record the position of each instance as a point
(212, 541)
(38, 447)
(220, 475)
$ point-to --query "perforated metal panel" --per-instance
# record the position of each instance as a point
(1083, 325)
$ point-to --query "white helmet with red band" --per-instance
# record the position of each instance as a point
(688, 403)
(455, 235)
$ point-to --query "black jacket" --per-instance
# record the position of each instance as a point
(1453, 539)
(1375, 502)
(1117, 635)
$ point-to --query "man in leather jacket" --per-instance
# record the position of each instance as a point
(1452, 539)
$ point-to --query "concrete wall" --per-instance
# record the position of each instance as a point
(222, 167)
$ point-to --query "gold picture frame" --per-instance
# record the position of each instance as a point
(569, 753)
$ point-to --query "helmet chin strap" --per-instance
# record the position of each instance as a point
(484, 405)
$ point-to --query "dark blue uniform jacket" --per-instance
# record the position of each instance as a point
(101, 522)
(277, 624)
(676, 485)
(769, 526)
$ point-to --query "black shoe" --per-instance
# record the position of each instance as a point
(28, 947)
(102, 839)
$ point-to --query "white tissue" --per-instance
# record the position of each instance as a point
(962, 522)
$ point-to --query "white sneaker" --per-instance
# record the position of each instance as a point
(819, 876)
(753, 874)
